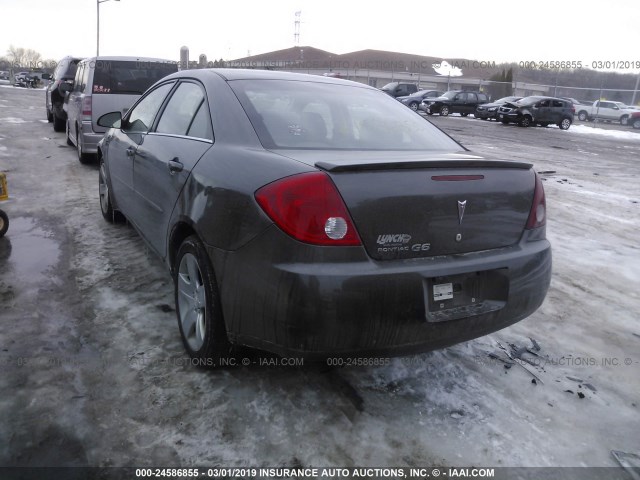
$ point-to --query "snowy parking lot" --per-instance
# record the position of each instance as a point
(93, 372)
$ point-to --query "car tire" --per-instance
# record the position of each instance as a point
(59, 124)
(83, 158)
(505, 122)
(4, 223)
(582, 116)
(624, 119)
(69, 142)
(444, 110)
(198, 307)
(636, 123)
(565, 123)
(414, 106)
(525, 121)
(110, 214)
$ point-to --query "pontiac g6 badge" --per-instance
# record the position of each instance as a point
(461, 206)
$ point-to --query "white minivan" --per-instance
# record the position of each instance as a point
(103, 85)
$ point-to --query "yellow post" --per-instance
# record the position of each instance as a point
(4, 193)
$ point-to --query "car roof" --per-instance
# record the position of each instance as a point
(231, 74)
(125, 59)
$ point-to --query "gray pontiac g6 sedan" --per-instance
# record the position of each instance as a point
(317, 217)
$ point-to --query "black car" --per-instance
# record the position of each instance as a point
(54, 99)
(399, 89)
(488, 111)
(455, 101)
(414, 101)
(319, 217)
(537, 110)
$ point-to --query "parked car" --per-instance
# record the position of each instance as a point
(104, 84)
(604, 110)
(538, 110)
(54, 95)
(413, 101)
(399, 89)
(634, 120)
(319, 217)
(4, 75)
(488, 111)
(455, 101)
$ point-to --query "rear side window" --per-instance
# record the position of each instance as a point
(126, 76)
(558, 103)
(186, 113)
(141, 117)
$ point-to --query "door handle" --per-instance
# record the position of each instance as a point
(175, 166)
(131, 152)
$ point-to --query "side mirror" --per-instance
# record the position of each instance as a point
(110, 120)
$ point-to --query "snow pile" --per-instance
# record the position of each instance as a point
(586, 130)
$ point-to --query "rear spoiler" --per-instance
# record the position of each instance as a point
(356, 166)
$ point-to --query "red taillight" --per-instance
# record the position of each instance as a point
(538, 214)
(86, 108)
(309, 208)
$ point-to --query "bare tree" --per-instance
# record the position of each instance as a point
(16, 55)
(32, 58)
(21, 57)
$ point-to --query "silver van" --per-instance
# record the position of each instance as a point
(103, 85)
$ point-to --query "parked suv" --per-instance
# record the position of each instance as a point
(455, 101)
(398, 89)
(103, 85)
(538, 110)
(54, 98)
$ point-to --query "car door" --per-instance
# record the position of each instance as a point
(124, 142)
(604, 110)
(543, 111)
(456, 102)
(165, 159)
(470, 103)
(73, 102)
(558, 108)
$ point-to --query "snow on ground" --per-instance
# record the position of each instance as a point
(631, 134)
(13, 120)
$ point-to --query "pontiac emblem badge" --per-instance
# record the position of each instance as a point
(461, 206)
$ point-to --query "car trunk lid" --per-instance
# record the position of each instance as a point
(413, 205)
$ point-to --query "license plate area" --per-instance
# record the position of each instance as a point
(452, 297)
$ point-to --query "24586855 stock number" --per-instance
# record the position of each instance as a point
(551, 64)
(195, 472)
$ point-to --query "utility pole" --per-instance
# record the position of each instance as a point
(296, 29)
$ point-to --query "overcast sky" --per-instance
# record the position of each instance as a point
(500, 30)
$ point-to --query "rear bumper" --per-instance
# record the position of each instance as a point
(317, 302)
(90, 138)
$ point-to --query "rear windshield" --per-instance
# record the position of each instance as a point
(128, 77)
(310, 115)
